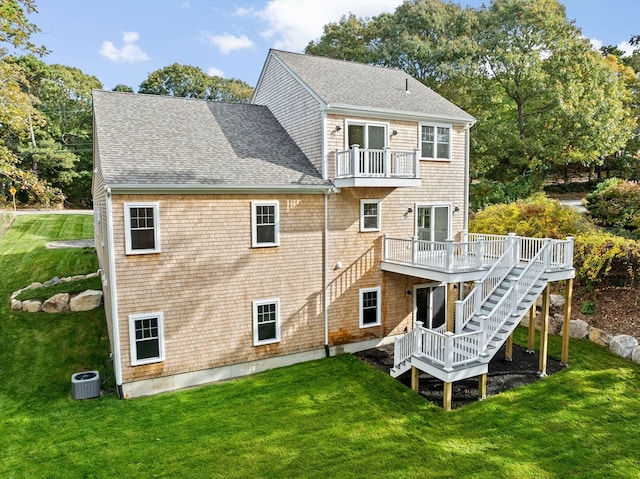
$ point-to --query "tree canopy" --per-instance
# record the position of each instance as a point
(545, 100)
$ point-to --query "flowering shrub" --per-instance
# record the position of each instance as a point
(616, 203)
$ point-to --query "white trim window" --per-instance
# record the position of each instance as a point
(146, 335)
(370, 215)
(142, 228)
(435, 141)
(266, 321)
(370, 304)
(265, 227)
(368, 135)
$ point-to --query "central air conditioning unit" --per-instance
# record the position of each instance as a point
(85, 385)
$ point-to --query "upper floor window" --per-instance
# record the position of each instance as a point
(264, 224)
(142, 234)
(369, 215)
(369, 136)
(146, 338)
(435, 141)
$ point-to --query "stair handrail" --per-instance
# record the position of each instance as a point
(507, 306)
(484, 287)
(406, 345)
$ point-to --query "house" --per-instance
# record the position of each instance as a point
(327, 216)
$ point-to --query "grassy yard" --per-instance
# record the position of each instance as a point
(333, 418)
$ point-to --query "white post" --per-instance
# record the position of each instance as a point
(546, 254)
(568, 252)
(459, 316)
(414, 250)
(416, 163)
(480, 254)
(515, 294)
(386, 161)
(385, 248)
(450, 259)
(477, 292)
(355, 160)
(515, 242)
(418, 336)
(448, 351)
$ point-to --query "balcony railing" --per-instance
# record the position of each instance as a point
(386, 163)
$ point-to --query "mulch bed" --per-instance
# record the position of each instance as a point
(502, 375)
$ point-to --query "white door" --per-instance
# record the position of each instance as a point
(433, 222)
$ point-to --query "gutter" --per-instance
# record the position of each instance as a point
(117, 366)
(219, 189)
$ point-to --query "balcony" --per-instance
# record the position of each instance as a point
(386, 167)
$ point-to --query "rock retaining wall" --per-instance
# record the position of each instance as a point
(61, 302)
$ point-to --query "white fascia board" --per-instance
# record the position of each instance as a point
(341, 109)
(219, 189)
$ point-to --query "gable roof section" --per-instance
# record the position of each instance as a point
(147, 141)
(350, 86)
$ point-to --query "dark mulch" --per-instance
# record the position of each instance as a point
(503, 375)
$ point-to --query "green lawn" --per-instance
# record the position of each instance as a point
(333, 418)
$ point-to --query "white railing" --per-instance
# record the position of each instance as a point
(385, 163)
(404, 347)
(447, 349)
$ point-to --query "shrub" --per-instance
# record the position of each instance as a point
(616, 203)
(489, 192)
(538, 217)
(588, 307)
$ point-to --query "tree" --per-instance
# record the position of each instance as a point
(18, 112)
(191, 82)
(123, 88)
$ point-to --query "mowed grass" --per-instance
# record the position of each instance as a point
(332, 418)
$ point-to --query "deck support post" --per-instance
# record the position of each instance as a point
(566, 324)
(446, 396)
(508, 348)
(451, 307)
(544, 333)
(482, 386)
(415, 379)
(532, 329)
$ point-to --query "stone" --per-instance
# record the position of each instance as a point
(15, 304)
(623, 345)
(35, 285)
(31, 305)
(77, 277)
(56, 304)
(578, 329)
(556, 300)
(555, 324)
(92, 275)
(86, 301)
(635, 355)
(599, 336)
(51, 282)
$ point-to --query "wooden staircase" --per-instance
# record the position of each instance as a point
(485, 319)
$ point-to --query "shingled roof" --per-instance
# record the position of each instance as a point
(351, 85)
(158, 140)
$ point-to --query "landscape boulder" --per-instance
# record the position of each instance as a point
(86, 301)
(56, 304)
(578, 329)
(599, 336)
(31, 305)
(16, 304)
(635, 355)
(623, 345)
(556, 300)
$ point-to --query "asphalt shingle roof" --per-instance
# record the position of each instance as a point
(345, 83)
(160, 140)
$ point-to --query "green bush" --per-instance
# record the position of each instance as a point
(600, 258)
(537, 217)
(588, 307)
(489, 192)
(616, 203)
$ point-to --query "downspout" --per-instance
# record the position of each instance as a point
(326, 273)
(117, 366)
(465, 219)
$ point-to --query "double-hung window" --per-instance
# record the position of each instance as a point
(265, 226)
(266, 321)
(435, 141)
(146, 337)
(142, 233)
(370, 303)
(369, 215)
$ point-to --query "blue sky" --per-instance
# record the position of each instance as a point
(123, 41)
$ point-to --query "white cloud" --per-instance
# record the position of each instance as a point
(595, 43)
(215, 72)
(227, 42)
(627, 48)
(128, 53)
(292, 25)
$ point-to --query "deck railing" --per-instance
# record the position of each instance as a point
(385, 163)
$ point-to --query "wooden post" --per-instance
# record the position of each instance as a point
(415, 379)
(508, 348)
(544, 333)
(482, 386)
(532, 329)
(566, 325)
(446, 396)
(451, 307)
